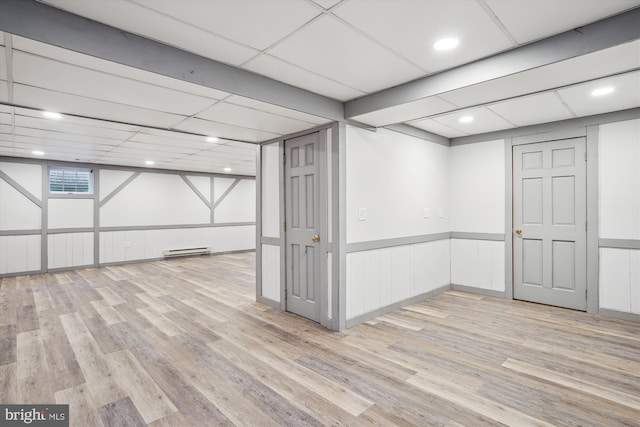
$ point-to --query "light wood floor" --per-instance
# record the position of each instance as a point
(181, 342)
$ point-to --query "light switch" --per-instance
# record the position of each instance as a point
(440, 212)
(427, 213)
(362, 214)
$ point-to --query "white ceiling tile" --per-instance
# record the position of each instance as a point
(64, 126)
(251, 118)
(334, 50)
(222, 130)
(49, 74)
(626, 95)
(59, 136)
(411, 28)
(484, 121)
(533, 109)
(409, 111)
(594, 65)
(327, 4)
(152, 148)
(140, 20)
(275, 109)
(258, 24)
(529, 20)
(3, 64)
(94, 63)
(170, 139)
(72, 104)
(278, 69)
(48, 147)
(438, 128)
(4, 92)
(80, 121)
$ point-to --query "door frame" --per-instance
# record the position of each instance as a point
(591, 135)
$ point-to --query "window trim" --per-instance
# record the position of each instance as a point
(88, 193)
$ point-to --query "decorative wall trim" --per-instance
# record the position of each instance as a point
(479, 291)
(119, 188)
(395, 306)
(71, 230)
(226, 193)
(69, 196)
(593, 264)
(572, 132)
(622, 315)
(619, 243)
(196, 191)
(20, 273)
(497, 237)
(33, 232)
(297, 134)
(398, 241)
(174, 226)
(20, 189)
(273, 241)
(139, 261)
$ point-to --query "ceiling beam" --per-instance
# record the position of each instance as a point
(37, 21)
(590, 38)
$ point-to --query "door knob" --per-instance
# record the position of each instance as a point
(518, 231)
(315, 238)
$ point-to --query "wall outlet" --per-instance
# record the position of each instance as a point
(426, 213)
(127, 245)
(362, 214)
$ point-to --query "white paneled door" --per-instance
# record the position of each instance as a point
(549, 218)
(302, 226)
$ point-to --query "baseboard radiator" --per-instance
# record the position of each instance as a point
(172, 253)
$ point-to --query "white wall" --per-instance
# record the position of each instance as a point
(271, 190)
(477, 187)
(619, 214)
(151, 199)
(271, 272)
(395, 177)
(477, 192)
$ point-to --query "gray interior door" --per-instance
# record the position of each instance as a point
(549, 218)
(302, 225)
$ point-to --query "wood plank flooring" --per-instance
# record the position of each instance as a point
(182, 343)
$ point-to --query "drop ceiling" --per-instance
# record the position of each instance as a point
(340, 50)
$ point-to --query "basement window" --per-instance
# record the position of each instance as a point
(66, 180)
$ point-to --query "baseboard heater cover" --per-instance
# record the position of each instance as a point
(170, 253)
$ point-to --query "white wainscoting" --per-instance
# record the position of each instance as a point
(70, 250)
(19, 254)
(271, 272)
(118, 246)
(381, 277)
(620, 279)
(478, 264)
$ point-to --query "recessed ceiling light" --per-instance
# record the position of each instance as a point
(213, 139)
(149, 162)
(52, 115)
(37, 153)
(465, 119)
(606, 90)
(446, 44)
(227, 169)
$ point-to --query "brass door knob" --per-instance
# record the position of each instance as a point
(315, 238)
(518, 231)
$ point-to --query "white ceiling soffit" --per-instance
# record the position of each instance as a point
(545, 107)
(57, 27)
(604, 34)
(79, 139)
